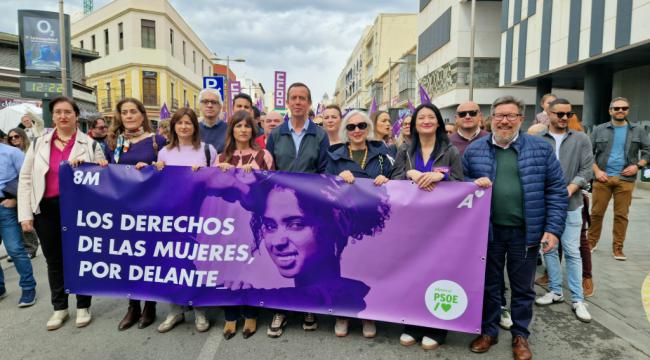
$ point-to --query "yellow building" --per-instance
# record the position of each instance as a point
(147, 52)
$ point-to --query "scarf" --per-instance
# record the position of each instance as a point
(123, 142)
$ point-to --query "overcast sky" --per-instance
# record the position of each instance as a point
(310, 39)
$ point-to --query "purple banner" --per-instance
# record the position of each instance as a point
(280, 90)
(279, 240)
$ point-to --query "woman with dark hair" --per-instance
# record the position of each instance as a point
(242, 152)
(18, 138)
(38, 199)
(332, 123)
(384, 130)
(429, 159)
(185, 149)
(364, 158)
(131, 141)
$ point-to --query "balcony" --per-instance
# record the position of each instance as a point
(174, 105)
(107, 105)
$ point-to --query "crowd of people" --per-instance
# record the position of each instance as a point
(539, 190)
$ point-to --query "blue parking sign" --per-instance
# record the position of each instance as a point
(214, 82)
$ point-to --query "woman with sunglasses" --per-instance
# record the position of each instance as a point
(361, 157)
(18, 138)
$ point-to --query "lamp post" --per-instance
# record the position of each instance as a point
(390, 79)
(471, 50)
(228, 59)
(63, 47)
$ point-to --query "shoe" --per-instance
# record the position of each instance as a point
(429, 344)
(27, 299)
(83, 318)
(593, 248)
(580, 309)
(131, 317)
(148, 315)
(310, 323)
(10, 259)
(407, 340)
(250, 327)
(201, 322)
(542, 280)
(341, 327)
(588, 287)
(229, 329)
(3, 293)
(32, 255)
(170, 322)
(57, 319)
(483, 343)
(549, 298)
(618, 255)
(369, 329)
(520, 348)
(277, 325)
(505, 321)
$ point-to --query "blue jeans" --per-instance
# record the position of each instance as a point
(12, 236)
(508, 248)
(571, 249)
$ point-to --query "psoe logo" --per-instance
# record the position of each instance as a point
(446, 300)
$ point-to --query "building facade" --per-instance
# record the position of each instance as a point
(599, 46)
(147, 52)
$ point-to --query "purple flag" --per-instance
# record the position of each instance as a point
(164, 112)
(424, 97)
(286, 117)
(411, 107)
(364, 251)
(280, 87)
(373, 106)
(397, 126)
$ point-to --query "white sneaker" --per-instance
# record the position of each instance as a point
(549, 298)
(83, 318)
(171, 321)
(407, 340)
(429, 344)
(580, 309)
(57, 319)
(341, 327)
(276, 327)
(505, 321)
(201, 321)
(369, 329)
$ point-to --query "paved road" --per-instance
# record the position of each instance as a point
(620, 330)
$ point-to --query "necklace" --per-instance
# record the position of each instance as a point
(365, 156)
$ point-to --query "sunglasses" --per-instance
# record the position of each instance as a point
(463, 114)
(621, 108)
(361, 126)
(561, 114)
(11, 137)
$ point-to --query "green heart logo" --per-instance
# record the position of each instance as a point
(446, 307)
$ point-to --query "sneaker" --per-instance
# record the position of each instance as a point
(542, 280)
(407, 340)
(588, 287)
(549, 298)
(618, 255)
(27, 299)
(341, 327)
(369, 329)
(83, 318)
(505, 321)
(277, 326)
(57, 319)
(310, 323)
(201, 321)
(580, 309)
(429, 344)
(170, 322)
(3, 293)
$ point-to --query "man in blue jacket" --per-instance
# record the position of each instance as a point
(529, 204)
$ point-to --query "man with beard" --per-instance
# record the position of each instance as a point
(98, 131)
(529, 204)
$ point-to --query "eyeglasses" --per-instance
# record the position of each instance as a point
(510, 117)
(101, 127)
(11, 137)
(361, 126)
(463, 114)
(210, 102)
(562, 114)
(620, 108)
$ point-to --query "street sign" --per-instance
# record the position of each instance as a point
(214, 82)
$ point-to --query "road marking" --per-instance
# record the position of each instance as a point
(211, 346)
(645, 296)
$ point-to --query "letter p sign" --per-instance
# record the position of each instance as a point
(214, 82)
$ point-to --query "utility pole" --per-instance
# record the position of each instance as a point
(64, 50)
(471, 50)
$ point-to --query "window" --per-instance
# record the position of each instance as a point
(185, 98)
(202, 68)
(171, 40)
(194, 101)
(106, 47)
(148, 34)
(150, 88)
(172, 92)
(435, 36)
(120, 31)
(108, 95)
(81, 44)
(184, 63)
(96, 94)
(122, 89)
(92, 40)
(194, 60)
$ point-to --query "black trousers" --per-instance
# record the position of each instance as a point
(48, 227)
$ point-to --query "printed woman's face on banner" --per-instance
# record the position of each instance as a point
(289, 236)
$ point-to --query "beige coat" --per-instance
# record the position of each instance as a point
(31, 185)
